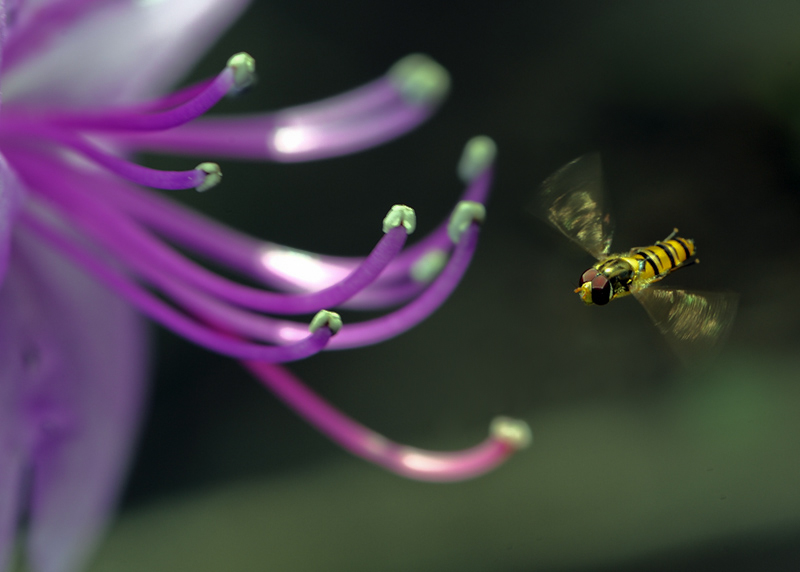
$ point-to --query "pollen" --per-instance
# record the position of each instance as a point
(420, 79)
(324, 318)
(479, 153)
(429, 265)
(400, 215)
(514, 432)
(244, 70)
(465, 213)
(213, 176)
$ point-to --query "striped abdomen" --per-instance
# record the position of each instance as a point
(663, 257)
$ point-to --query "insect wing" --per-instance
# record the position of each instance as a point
(571, 199)
(694, 323)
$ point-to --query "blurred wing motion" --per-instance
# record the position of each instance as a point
(571, 199)
(695, 324)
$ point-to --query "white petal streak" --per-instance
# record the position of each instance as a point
(123, 52)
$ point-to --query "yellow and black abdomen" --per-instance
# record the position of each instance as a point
(655, 262)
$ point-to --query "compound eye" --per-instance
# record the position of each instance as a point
(587, 276)
(601, 290)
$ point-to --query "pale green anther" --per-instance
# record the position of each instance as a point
(420, 79)
(324, 318)
(465, 213)
(244, 70)
(515, 432)
(428, 266)
(400, 215)
(479, 153)
(213, 176)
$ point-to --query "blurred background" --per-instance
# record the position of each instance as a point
(637, 463)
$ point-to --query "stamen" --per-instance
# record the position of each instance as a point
(167, 271)
(465, 213)
(374, 447)
(285, 268)
(166, 268)
(170, 100)
(121, 236)
(477, 191)
(237, 75)
(383, 328)
(294, 142)
(365, 117)
(165, 314)
(202, 177)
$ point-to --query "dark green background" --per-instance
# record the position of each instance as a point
(637, 464)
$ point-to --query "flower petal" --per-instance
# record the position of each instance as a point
(11, 193)
(121, 52)
(72, 370)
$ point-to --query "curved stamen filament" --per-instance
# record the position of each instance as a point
(358, 119)
(203, 177)
(168, 101)
(162, 265)
(263, 328)
(390, 325)
(237, 75)
(292, 140)
(168, 270)
(507, 436)
(257, 259)
(165, 314)
(187, 294)
(436, 240)
(352, 335)
(275, 137)
(130, 241)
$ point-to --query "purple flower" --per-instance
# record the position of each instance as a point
(84, 250)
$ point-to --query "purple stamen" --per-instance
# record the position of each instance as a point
(167, 315)
(506, 436)
(356, 120)
(289, 269)
(163, 266)
(386, 327)
(237, 75)
(134, 241)
(31, 134)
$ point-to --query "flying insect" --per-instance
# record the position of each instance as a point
(694, 323)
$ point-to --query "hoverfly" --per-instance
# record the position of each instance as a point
(694, 323)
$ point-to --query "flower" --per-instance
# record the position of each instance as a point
(84, 249)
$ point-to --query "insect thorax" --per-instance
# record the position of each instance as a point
(620, 273)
